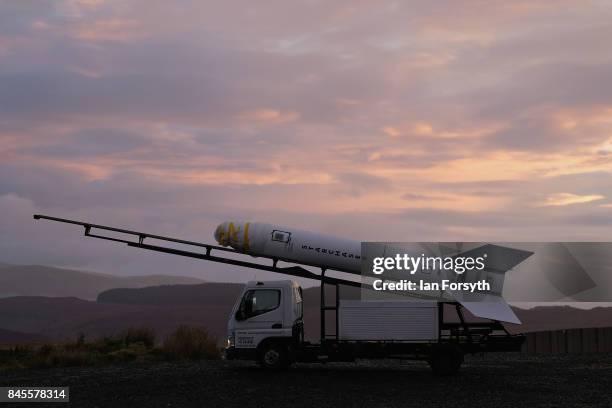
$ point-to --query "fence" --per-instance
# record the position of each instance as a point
(592, 340)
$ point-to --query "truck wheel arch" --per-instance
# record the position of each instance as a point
(274, 353)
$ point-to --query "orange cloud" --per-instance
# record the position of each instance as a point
(109, 30)
(561, 199)
(422, 129)
(391, 131)
(268, 115)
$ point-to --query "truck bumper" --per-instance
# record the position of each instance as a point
(233, 353)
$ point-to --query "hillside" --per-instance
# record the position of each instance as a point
(215, 294)
(562, 317)
(65, 318)
(35, 280)
(164, 308)
(210, 293)
(13, 337)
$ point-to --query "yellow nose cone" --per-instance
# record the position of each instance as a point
(221, 234)
(233, 234)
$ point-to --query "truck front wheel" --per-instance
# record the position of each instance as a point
(274, 356)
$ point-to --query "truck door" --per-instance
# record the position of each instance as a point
(259, 315)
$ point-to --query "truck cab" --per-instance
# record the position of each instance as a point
(266, 323)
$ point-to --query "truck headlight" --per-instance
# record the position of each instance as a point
(230, 341)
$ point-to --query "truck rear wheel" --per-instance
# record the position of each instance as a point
(446, 359)
(274, 356)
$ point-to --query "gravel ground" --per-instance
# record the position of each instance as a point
(485, 381)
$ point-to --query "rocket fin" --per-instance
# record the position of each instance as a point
(495, 309)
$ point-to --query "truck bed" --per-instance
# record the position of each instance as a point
(389, 321)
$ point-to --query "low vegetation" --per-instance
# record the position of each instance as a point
(133, 344)
(190, 343)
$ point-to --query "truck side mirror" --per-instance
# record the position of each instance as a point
(239, 315)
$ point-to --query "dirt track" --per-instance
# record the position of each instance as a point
(513, 381)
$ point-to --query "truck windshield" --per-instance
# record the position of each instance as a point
(258, 301)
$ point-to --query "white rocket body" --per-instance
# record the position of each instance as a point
(289, 244)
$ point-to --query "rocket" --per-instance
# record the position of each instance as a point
(329, 252)
(291, 245)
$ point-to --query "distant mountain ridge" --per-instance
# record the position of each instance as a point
(14, 337)
(37, 280)
(26, 318)
(62, 318)
(175, 295)
(56, 304)
(210, 293)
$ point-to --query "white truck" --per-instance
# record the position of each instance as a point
(266, 325)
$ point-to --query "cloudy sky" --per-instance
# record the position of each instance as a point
(388, 120)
